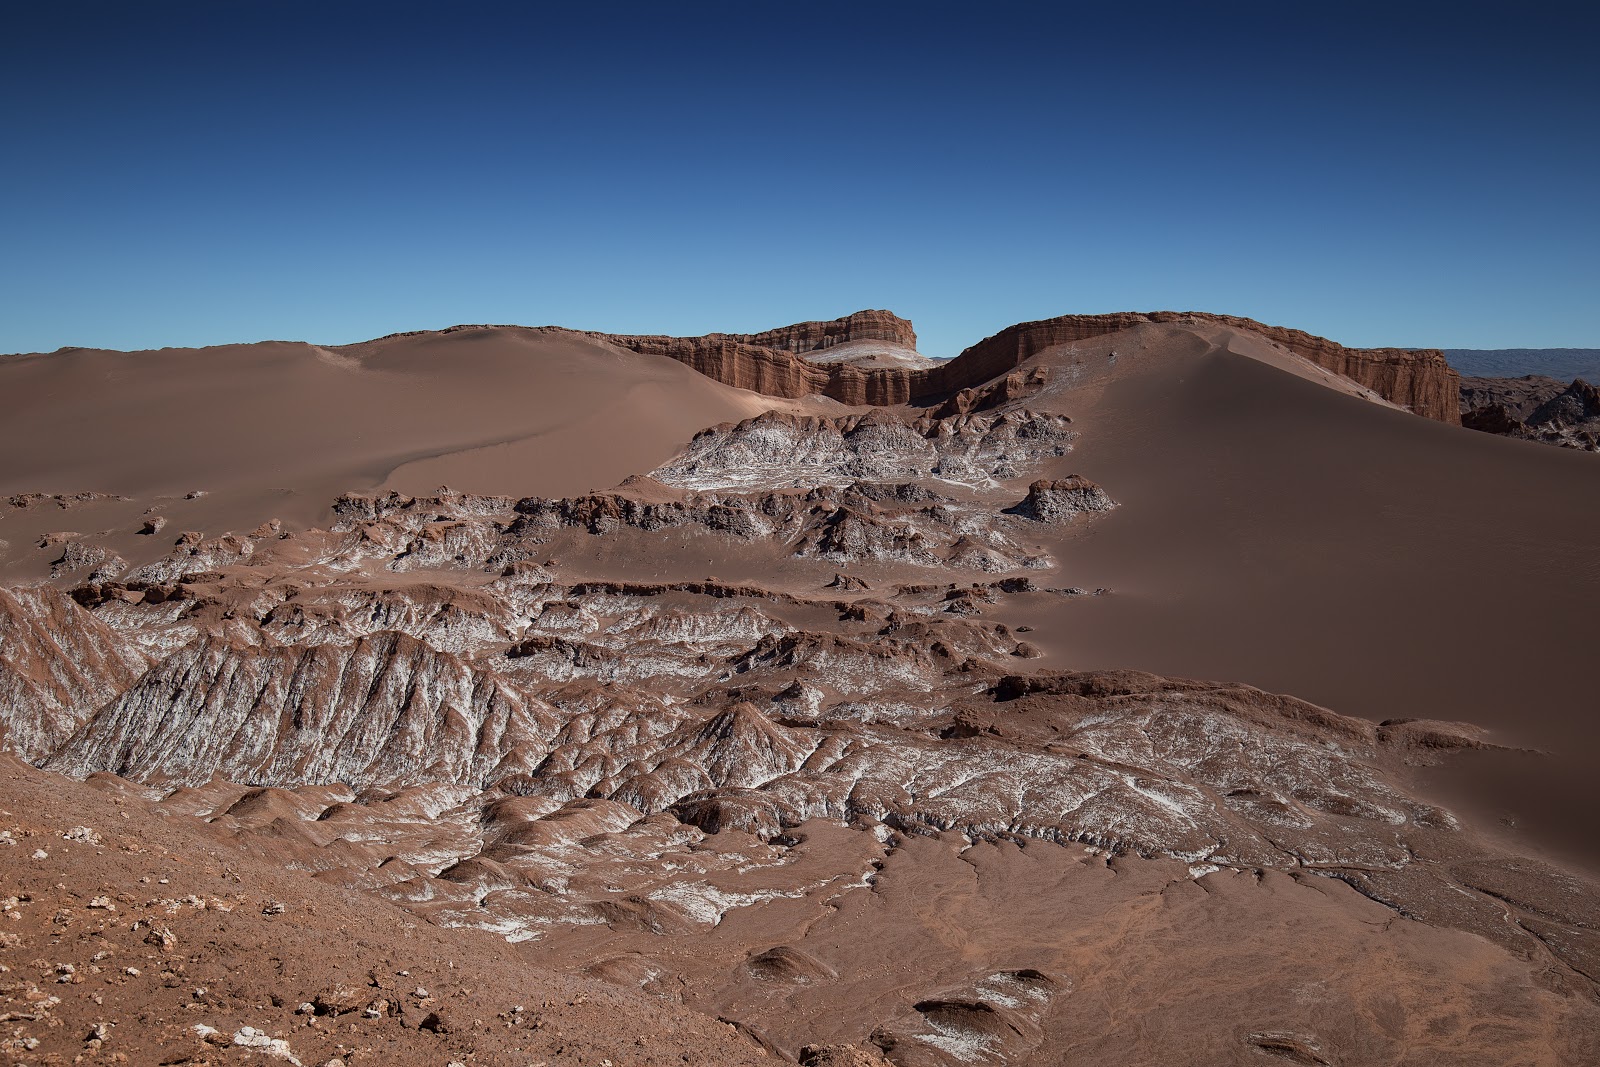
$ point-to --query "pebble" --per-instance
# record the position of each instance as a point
(276, 1047)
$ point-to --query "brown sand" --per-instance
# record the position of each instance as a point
(278, 429)
(1354, 555)
(544, 411)
(148, 927)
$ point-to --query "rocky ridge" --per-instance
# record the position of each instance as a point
(771, 363)
(805, 337)
(1534, 408)
(555, 760)
(674, 760)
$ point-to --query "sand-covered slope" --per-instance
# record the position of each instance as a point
(476, 408)
(1274, 530)
(278, 429)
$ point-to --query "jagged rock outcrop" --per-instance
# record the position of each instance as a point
(518, 750)
(1494, 418)
(386, 709)
(776, 450)
(1578, 403)
(859, 522)
(1519, 397)
(58, 664)
(1534, 408)
(1060, 500)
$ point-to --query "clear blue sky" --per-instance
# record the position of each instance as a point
(186, 174)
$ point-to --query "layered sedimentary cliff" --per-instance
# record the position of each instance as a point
(816, 336)
(1419, 379)
(772, 363)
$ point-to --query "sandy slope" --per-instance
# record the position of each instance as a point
(515, 410)
(1382, 564)
(278, 429)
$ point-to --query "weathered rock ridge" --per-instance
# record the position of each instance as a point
(1534, 408)
(815, 336)
(772, 362)
(1419, 379)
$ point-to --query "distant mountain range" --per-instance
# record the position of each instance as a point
(1563, 363)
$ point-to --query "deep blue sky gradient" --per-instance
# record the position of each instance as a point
(186, 174)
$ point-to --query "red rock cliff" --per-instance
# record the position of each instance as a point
(770, 362)
(815, 336)
(1418, 379)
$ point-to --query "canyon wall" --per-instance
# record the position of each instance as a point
(1418, 379)
(771, 362)
(816, 336)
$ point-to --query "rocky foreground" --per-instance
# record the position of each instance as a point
(746, 738)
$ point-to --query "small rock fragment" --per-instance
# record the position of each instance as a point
(276, 1047)
(338, 1000)
(209, 1034)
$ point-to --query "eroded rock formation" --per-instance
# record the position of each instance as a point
(1534, 408)
(772, 362)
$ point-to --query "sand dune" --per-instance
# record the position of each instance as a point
(278, 429)
(303, 416)
(1389, 566)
